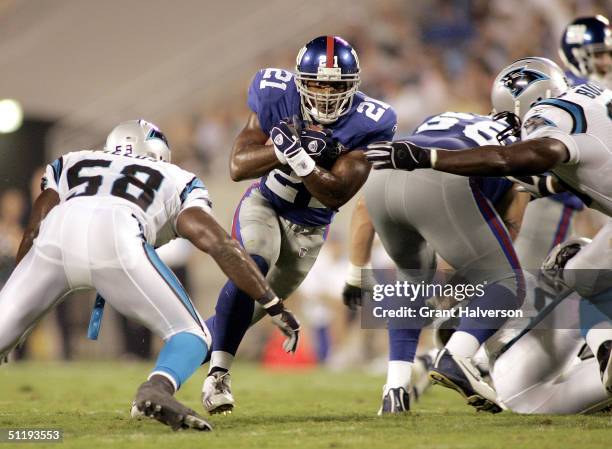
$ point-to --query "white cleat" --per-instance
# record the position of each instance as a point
(217, 393)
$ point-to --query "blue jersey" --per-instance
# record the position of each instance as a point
(574, 80)
(273, 96)
(459, 131)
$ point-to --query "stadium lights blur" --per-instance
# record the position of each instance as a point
(11, 116)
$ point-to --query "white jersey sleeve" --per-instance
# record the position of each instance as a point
(191, 191)
(581, 119)
(547, 120)
(52, 174)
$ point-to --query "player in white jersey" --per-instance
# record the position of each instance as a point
(95, 226)
(570, 136)
(539, 364)
(544, 368)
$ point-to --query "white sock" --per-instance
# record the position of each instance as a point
(398, 374)
(221, 359)
(463, 344)
(597, 335)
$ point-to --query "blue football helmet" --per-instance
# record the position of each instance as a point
(586, 49)
(327, 76)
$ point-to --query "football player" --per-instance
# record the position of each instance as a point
(95, 226)
(568, 135)
(544, 368)
(314, 119)
(470, 223)
(586, 50)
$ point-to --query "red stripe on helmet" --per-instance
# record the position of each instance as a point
(330, 51)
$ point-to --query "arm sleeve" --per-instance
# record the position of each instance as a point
(257, 101)
(194, 194)
(384, 130)
(555, 123)
(51, 178)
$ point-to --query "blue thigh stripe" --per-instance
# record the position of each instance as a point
(174, 284)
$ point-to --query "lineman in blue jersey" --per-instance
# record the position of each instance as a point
(470, 223)
(305, 175)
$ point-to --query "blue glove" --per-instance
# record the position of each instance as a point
(285, 140)
(318, 143)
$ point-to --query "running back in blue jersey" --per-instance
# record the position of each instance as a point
(273, 96)
(459, 131)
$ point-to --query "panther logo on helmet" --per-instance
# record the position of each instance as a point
(138, 137)
(518, 80)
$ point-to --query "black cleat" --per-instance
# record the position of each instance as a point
(154, 399)
(459, 374)
(394, 401)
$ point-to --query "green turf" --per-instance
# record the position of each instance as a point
(90, 402)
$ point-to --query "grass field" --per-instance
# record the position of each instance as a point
(90, 402)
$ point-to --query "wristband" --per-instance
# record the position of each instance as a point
(280, 155)
(271, 303)
(353, 274)
(549, 185)
(433, 157)
(268, 299)
(301, 163)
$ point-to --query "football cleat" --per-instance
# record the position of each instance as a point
(217, 393)
(394, 401)
(155, 400)
(459, 374)
(604, 358)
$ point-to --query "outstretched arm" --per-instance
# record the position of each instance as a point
(361, 235)
(201, 229)
(46, 201)
(360, 252)
(206, 234)
(529, 157)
